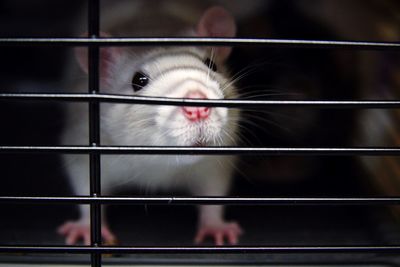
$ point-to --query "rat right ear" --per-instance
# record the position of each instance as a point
(217, 22)
(108, 55)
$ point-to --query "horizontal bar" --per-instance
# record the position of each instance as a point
(129, 99)
(192, 250)
(186, 41)
(289, 201)
(187, 150)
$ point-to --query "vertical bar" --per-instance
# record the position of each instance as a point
(94, 130)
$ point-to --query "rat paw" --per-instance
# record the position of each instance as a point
(74, 231)
(226, 230)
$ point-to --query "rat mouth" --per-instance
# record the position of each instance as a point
(199, 143)
(197, 135)
(201, 138)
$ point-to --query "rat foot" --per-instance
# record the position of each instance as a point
(79, 230)
(229, 230)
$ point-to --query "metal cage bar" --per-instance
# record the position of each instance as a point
(94, 149)
(293, 201)
(229, 103)
(203, 249)
(189, 41)
(94, 130)
(184, 150)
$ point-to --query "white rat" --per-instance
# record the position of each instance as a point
(178, 72)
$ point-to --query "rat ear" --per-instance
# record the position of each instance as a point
(108, 55)
(217, 22)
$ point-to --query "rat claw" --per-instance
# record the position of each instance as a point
(63, 229)
(232, 237)
(219, 239)
(79, 230)
(200, 236)
(229, 230)
(108, 236)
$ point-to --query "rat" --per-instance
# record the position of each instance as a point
(175, 72)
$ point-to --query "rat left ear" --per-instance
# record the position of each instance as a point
(217, 22)
(108, 55)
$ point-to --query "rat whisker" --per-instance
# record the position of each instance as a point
(263, 119)
(253, 95)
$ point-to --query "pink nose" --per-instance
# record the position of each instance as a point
(196, 113)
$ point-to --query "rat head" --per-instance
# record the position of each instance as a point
(178, 72)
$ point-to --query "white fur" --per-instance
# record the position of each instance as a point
(173, 72)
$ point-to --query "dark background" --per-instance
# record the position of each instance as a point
(296, 73)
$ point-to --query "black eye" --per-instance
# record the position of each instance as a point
(209, 63)
(139, 81)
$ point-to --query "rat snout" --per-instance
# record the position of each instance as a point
(195, 114)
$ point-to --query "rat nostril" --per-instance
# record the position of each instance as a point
(196, 113)
(204, 111)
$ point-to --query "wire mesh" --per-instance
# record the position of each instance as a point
(95, 150)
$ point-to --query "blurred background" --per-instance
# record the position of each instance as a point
(270, 73)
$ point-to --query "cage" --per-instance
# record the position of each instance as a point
(316, 181)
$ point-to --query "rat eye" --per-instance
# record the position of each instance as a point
(211, 64)
(139, 81)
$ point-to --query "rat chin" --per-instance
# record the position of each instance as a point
(199, 138)
(188, 159)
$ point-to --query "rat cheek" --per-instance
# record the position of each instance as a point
(221, 115)
(165, 115)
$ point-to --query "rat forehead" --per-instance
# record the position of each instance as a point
(167, 57)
